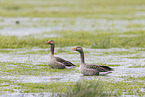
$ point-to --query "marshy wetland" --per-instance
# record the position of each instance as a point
(111, 33)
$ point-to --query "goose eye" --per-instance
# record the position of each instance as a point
(79, 48)
(52, 42)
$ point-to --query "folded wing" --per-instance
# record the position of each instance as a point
(66, 63)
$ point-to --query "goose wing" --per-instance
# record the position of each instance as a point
(66, 63)
(100, 68)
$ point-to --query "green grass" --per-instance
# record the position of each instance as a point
(69, 8)
(135, 26)
(35, 87)
(9, 68)
(87, 89)
(25, 51)
(112, 65)
(47, 87)
(137, 66)
(82, 89)
(105, 88)
(136, 78)
(137, 57)
(5, 51)
(70, 38)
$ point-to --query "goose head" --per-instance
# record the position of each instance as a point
(78, 48)
(51, 42)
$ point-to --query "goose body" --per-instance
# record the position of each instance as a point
(56, 62)
(53, 63)
(90, 69)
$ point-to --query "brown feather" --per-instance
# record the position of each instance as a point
(66, 63)
(100, 68)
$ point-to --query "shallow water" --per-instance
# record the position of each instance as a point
(91, 58)
(36, 26)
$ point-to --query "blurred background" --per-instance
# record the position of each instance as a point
(97, 23)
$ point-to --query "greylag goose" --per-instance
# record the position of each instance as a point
(90, 69)
(56, 62)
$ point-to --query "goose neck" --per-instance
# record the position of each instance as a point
(82, 57)
(52, 49)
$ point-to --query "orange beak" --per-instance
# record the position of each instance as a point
(47, 42)
(74, 48)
